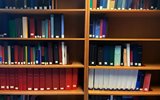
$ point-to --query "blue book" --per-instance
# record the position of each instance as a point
(116, 3)
(32, 3)
(50, 4)
(97, 28)
(57, 25)
(94, 27)
(91, 27)
(2, 3)
(40, 54)
(101, 4)
(62, 26)
(119, 4)
(52, 26)
(4, 25)
(46, 28)
(37, 56)
(124, 4)
(138, 84)
(105, 3)
(106, 56)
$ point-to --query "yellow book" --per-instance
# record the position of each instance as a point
(111, 4)
(26, 53)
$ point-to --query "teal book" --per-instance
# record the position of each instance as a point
(111, 54)
(117, 55)
(46, 28)
(91, 4)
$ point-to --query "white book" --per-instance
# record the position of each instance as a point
(110, 86)
(9, 54)
(134, 79)
(106, 74)
(123, 79)
(114, 79)
(101, 75)
(91, 78)
(25, 27)
(119, 72)
(129, 79)
(96, 78)
(128, 54)
(63, 54)
(108, 4)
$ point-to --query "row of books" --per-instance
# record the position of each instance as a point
(124, 4)
(26, 4)
(119, 80)
(17, 97)
(111, 97)
(38, 79)
(115, 55)
(34, 54)
(98, 27)
(32, 27)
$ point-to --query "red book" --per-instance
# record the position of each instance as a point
(42, 79)
(68, 79)
(62, 79)
(32, 27)
(11, 79)
(48, 79)
(39, 27)
(101, 28)
(24, 79)
(16, 54)
(55, 76)
(146, 84)
(7, 79)
(20, 79)
(29, 79)
(75, 79)
(16, 79)
(3, 78)
(131, 57)
(36, 79)
(49, 28)
(60, 53)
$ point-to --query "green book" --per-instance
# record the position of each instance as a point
(117, 55)
(91, 4)
(12, 28)
(111, 55)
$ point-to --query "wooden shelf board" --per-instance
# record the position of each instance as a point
(130, 13)
(73, 65)
(155, 91)
(78, 91)
(145, 67)
(125, 39)
(40, 11)
(41, 39)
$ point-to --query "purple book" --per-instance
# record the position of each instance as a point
(104, 29)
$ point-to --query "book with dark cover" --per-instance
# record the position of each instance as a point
(154, 4)
(11, 79)
(29, 54)
(128, 4)
(12, 55)
(32, 27)
(5, 54)
(93, 55)
(12, 28)
(139, 55)
(57, 25)
(46, 54)
(98, 4)
(56, 54)
(104, 28)
(135, 54)
(106, 56)
(91, 27)
(100, 55)
(20, 4)
(111, 54)
(97, 27)
(122, 50)
(2, 3)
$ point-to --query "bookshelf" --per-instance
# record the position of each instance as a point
(77, 27)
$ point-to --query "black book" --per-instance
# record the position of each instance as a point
(57, 25)
(45, 4)
(98, 3)
(50, 4)
(56, 54)
(100, 55)
(111, 54)
(158, 4)
(4, 25)
(46, 53)
(91, 27)
(106, 56)
(40, 4)
(139, 55)
(154, 4)
(92, 55)
(20, 4)
(12, 55)
(5, 54)
(135, 55)
(29, 52)
(122, 50)
(36, 4)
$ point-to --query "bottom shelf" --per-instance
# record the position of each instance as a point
(155, 91)
(78, 91)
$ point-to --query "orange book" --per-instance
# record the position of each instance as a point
(125, 56)
(94, 4)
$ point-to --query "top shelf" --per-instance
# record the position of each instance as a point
(118, 13)
(39, 11)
